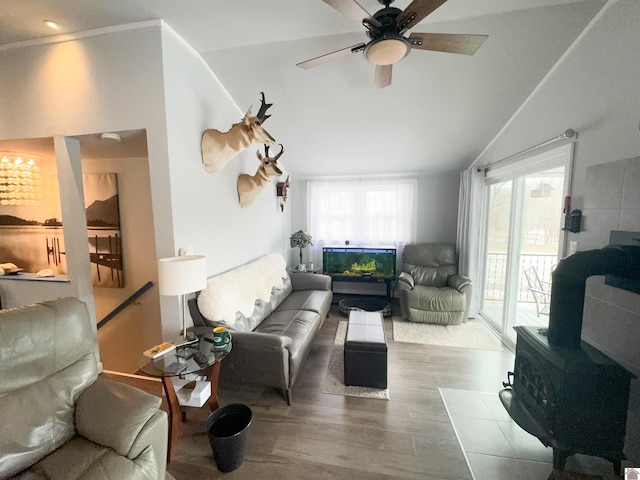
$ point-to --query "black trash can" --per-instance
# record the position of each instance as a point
(228, 430)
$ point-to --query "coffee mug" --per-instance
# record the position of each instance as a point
(221, 337)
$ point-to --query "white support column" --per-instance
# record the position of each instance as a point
(74, 220)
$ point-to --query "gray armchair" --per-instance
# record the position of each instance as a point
(431, 291)
(60, 421)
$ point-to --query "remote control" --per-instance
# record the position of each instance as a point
(200, 357)
(175, 368)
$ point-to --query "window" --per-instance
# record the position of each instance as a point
(364, 212)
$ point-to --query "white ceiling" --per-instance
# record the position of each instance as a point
(439, 113)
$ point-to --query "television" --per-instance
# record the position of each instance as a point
(363, 262)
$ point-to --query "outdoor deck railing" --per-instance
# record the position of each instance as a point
(496, 267)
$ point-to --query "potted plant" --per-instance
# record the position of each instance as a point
(301, 240)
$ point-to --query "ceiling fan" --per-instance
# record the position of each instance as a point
(388, 44)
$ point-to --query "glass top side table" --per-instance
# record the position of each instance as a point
(180, 362)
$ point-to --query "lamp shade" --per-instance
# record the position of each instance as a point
(182, 275)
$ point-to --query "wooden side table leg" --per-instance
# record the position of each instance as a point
(174, 414)
(213, 378)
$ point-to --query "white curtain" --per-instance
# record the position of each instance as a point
(469, 222)
(362, 212)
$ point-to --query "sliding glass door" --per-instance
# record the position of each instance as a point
(523, 239)
(497, 247)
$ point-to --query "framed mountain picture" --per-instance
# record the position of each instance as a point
(103, 229)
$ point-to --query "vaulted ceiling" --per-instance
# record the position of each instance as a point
(438, 115)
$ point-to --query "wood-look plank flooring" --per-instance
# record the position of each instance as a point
(330, 436)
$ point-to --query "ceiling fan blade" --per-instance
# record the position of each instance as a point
(353, 10)
(416, 11)
(465, 44)
(383, 76)
(314, 62)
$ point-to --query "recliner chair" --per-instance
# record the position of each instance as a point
(431, 290)
(59, 420)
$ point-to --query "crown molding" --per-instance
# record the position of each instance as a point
(68, 37)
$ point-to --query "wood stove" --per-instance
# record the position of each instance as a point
(568, 394)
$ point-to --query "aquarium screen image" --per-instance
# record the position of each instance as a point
(359, 262)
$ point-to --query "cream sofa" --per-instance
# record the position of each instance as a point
(273, 318)
(59, 420)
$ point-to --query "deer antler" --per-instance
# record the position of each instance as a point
(266, 153)
(275, 159)
(263, 109)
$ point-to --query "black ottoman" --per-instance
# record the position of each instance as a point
(365, 350)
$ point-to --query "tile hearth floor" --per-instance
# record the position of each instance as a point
(496, 448)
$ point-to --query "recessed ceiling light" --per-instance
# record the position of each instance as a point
(111, 136)
(51, 24)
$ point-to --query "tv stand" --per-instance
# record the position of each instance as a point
(363, 279)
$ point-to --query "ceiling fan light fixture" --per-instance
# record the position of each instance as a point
(387, 50)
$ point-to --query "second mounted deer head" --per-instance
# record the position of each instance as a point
(250, 186)
(281, 192)
(219, 148)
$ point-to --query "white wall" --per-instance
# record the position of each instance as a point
(438, 207)
(595, 91)
(110, 81)
(205, 212)
(205, 208)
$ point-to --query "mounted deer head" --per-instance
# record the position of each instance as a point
(250, 186)
(281, 192)
(218, 148)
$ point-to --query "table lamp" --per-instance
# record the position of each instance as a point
(181, 276)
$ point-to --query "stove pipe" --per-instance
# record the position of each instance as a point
(569, 282)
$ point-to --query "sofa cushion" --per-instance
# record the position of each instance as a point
(316, 301)
(124, 412)
(262, 309)
(80, 459)
(238, 290)
(299, 325)
(438, 318)
(434, 299)
(435, 305)
(278, 295)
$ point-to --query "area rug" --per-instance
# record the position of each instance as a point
(472, 334)
(334, 379)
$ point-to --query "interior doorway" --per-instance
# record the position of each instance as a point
(35, 237)
(122, 258)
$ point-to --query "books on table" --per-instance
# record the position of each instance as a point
(159, 350)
